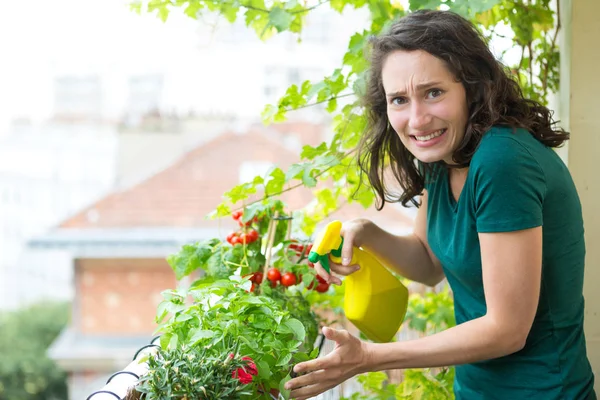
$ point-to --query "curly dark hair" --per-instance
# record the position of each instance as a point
(493, 98)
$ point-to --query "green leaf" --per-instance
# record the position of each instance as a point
(222, 210)
(193, 9)
(285, 360)
(327, 200)
(136, 7)
(191, 258)
(269, 113)
(162, 310)
(240, 192)
(374, 380)
(183, 317)
(326, 160)
(165, 339)
(264, 371)
(280, 19)
(284, 392)
(274, 181)
(478, 6)
(309, 152)
(295, 171)
(331, 105)
(196, 335)
(308, 180)
(427, 4)
(296, 327)
(229, 12)
(202, 282)
(217, 267)
(337, 5)
(365, 196)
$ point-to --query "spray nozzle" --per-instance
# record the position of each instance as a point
(328, 241)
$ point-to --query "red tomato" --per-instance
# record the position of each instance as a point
(320, 279)
(273, 275)
(309, 248)
(231, 235)
(322, 287)
(235, 240)
(244, 238)
(311, 264)
(253, 235)
(237, 214)
(242, 223)
(257, 277)
(288, 279)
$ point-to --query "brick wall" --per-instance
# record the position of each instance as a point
(119, 296)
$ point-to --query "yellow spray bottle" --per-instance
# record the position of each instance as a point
(374, 301)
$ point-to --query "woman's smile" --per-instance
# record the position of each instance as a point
(429, 139)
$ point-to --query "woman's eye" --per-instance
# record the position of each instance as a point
(398, 100)
(433, 93)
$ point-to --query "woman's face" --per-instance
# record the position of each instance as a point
(426, 106)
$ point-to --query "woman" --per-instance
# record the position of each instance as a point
(499, 217)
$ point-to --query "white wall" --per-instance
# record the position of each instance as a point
(46, 174)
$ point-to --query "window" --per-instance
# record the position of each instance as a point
(78, 96)
(145, 93)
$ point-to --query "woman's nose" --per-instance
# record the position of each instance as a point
(419, 116)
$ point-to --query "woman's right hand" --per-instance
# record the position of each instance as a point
(354, 233)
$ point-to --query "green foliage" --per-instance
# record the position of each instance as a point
(426, 385)
(276, 331)
(432, 312)
(26, 373)
(193, 373)
(416, 385)
(227, 307)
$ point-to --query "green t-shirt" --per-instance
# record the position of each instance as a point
(515, 182)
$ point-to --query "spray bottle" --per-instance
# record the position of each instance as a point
(375, 301)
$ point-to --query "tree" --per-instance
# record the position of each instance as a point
(26, 373)
(531, 26)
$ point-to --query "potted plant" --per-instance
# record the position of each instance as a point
(238, 329)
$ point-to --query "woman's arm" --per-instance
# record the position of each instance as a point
(512, 270)
(512, 265)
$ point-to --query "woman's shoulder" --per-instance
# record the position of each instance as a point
(502, 133)
(510, 151)
(505, 142)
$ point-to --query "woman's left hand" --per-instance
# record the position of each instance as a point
(349, 358)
